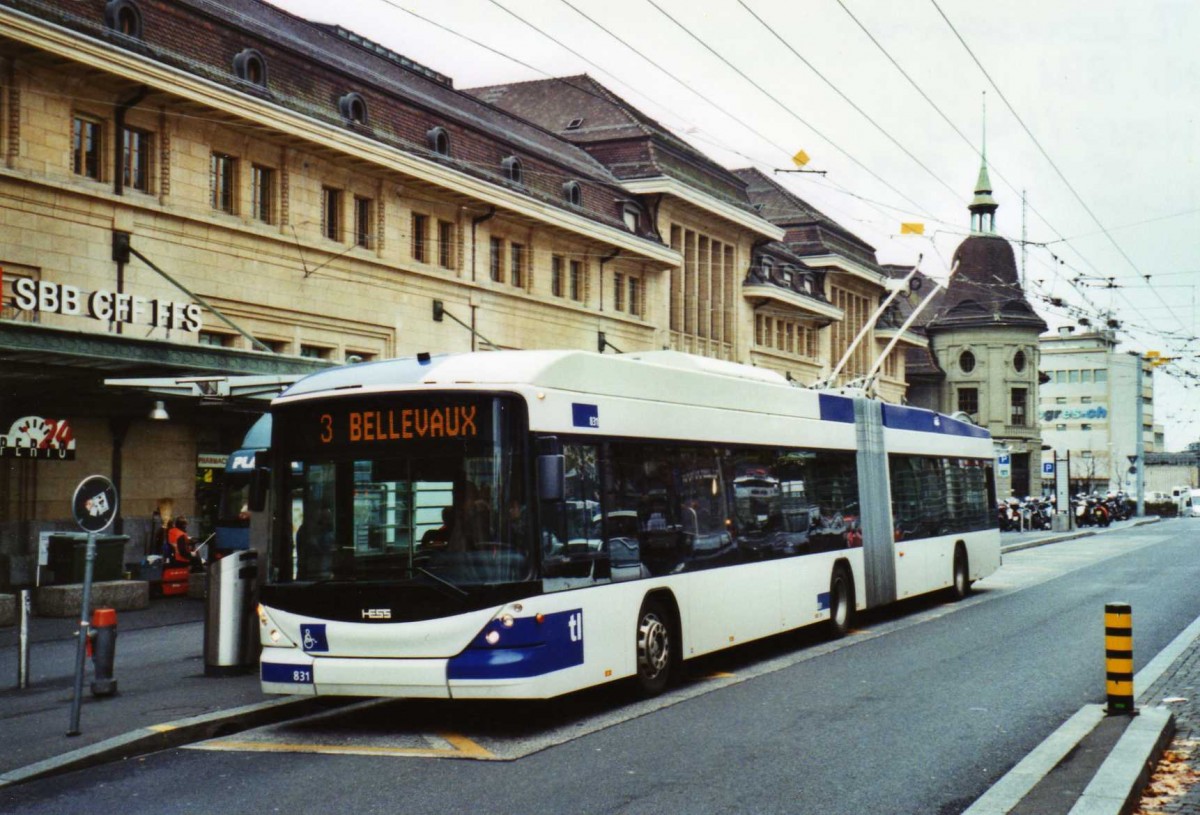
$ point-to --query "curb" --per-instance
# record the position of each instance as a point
(1120, 780)
(167, 735)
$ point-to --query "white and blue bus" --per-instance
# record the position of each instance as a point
(524, 524)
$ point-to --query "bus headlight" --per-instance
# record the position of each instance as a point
(492, 637)
(506, 620)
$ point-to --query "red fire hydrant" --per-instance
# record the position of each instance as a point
(102, 643)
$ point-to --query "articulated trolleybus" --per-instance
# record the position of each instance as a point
(524, 524)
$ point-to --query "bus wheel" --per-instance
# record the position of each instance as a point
(653, 648)
(841, 602)
(961, 586)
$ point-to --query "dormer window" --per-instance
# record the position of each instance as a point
(768, 269)
(573, 193)
(250, 67)
(353, 108)
(124, 17)
(632, 217)
(574, 124)
(513, 170)
(438, 140)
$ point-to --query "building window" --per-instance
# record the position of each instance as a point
(517, 265)
(262, 193)
(966, 362)
(1086, 454)
(618, 291)
(1060, 377)
(124, 17)
(275, 346)
(215, 339)
(1085, 427)
(573, 193)
(438, 140)
(85, 149)
(362, 222)
(446, 244)
(315, 352)
(629, 215)
(420, 237)
(355, 357)
(496, 260)
(250, 67)
(1019, 395)
(331, 213)
(221, 178)
(1101, 376)
(556, 276)
(135, 160)
(1060, 427)
(1061, 400)
(575, 284)
(513, 170)
(1073, 377)
(1084, 400)
(635, 296)
(353, 109)
(968, 400)
(1019, 361)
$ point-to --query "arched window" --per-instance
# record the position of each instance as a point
(124, 17)
(513, 170)
(573, 193)
(966, 362)
(353, 108)
(250, 66)
(438, 140)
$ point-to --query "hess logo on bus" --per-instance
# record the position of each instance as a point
(377, 614)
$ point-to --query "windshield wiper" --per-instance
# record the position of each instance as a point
(441, 580)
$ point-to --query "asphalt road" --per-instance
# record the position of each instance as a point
(920, 711)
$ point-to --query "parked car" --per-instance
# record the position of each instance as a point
(1193, 499)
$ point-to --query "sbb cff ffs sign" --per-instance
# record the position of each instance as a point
(119, 307)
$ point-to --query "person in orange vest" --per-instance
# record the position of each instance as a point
(182, 547)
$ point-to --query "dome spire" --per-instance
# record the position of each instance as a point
(983, 206)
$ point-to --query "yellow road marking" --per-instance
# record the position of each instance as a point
(161, 728)
(719, 675)
(463, 748)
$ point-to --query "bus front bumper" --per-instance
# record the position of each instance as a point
(296, 673)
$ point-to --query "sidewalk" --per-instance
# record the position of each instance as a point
(165, 699)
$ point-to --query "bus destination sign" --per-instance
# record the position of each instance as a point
(399, 424)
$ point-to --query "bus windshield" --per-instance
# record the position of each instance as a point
(400, 487)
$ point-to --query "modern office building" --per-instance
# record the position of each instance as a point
(1089, 408)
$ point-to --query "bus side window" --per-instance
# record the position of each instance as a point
(571, 542)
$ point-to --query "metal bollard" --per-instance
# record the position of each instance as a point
(103, 646)
(23, 641)
(1118, 658)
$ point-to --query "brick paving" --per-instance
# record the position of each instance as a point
(1180, 681)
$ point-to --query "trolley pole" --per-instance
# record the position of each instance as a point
(1118, 658)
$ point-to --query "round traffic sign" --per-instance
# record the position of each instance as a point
(94, 504)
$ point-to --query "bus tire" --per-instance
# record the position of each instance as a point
(655, 642)
(841, 601)
(960, 585)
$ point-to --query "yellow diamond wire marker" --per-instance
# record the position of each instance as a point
(800, 159)
(912, 229)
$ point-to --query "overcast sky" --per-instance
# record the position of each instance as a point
(1092, 115)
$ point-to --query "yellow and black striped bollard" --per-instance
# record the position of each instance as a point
(1118, 657)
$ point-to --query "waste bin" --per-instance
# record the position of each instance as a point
(68, 557)
(230, 624)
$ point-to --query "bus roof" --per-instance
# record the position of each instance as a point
(663, 376)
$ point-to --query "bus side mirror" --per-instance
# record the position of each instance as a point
(552, 477)
(260, 482)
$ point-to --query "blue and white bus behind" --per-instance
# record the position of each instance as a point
(233, 513)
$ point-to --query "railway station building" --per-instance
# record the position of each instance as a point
(275, 196)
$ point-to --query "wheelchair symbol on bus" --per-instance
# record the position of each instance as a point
(312, 637)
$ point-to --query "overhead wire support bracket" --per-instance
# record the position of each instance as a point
(814, 172)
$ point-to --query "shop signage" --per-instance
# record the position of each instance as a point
(119, 307)
(36, 437)
(1079, 414)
